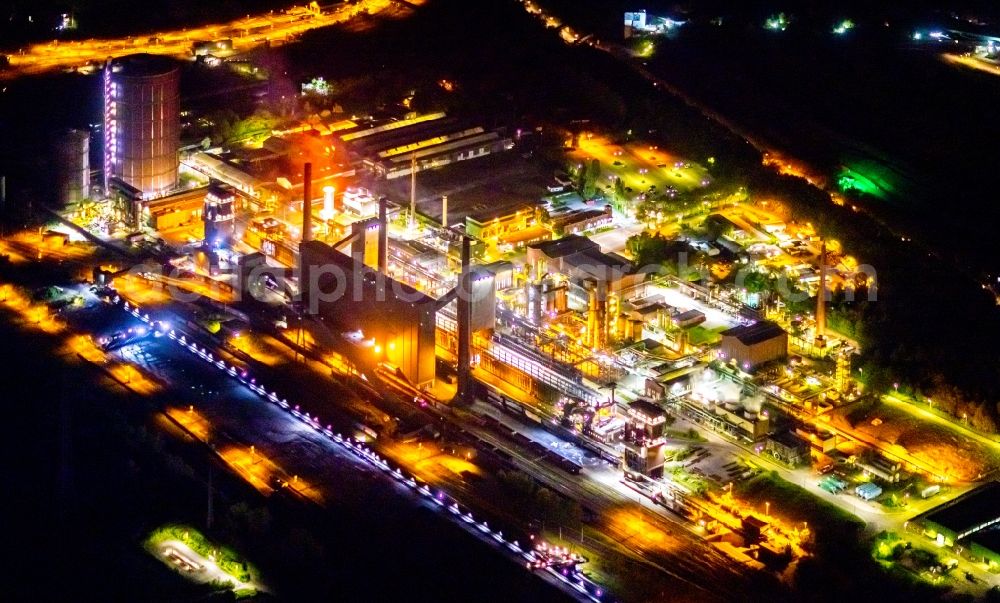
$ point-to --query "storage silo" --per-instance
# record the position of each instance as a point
(73, 166)
(142, 122)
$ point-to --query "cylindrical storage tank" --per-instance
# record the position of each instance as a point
(73, 166)
(142, 122)
(534, 291)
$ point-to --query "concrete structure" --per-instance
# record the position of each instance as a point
(73, 166)
(142, 123)
(749, 346)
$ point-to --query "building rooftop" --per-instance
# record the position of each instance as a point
(347, 265)
(755, 333)
(966, 513)
(647, 409)
(689, 315)
(565, 246)
(530, 233)
(651, 309)
(869, 489)
(789, 439)
(484, 212)
(454, 142)
(498, 266)
(143, 65)
(594, 260)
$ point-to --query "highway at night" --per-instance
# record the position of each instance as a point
(273, 28)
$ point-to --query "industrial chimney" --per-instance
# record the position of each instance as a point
(307, 202)
(821, 299)
(383, 236)
(465, 325)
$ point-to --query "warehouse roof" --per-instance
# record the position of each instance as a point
(755, 333)
(979, 507)
(567, 245)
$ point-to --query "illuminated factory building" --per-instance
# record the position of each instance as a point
(400, 328)
(218, 215)
(602, 280)
(141, 125)
(644, 438)
(749, 346)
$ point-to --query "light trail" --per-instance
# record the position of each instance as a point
(971, 62)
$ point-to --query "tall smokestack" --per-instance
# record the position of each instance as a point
(464, 325)
(592, 325)
(383, 236)
(444, 211)
(413, 190)
(821, 299)
(307, 174)
(602, 315)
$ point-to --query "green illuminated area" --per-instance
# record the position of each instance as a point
(195, 557)
(843, 27)
(642, 46)
(777, 22)
(867, 179)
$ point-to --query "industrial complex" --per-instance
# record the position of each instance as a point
(601, 327)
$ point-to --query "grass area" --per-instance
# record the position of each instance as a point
(690, 480)
(684, 434)
(227, 559)
(540, 500)
(699, 335)
(795, 504)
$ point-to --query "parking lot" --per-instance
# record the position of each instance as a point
(642, 167)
